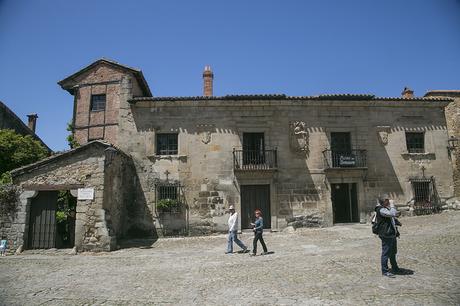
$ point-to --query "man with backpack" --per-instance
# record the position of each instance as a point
(385, 227)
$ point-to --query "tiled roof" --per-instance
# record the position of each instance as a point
(137, 73)
(345, 97)
(61, 155)
(444, 93)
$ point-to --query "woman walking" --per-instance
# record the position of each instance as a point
(258, 231)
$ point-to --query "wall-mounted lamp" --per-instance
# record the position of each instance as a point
(453, 143)
(110, 153)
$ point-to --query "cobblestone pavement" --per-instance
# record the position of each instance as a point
(338, 265)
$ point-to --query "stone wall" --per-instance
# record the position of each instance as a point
(300, 189)
(452, 113)
(12, 228)
(99, 222)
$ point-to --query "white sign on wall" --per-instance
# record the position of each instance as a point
(85, 194)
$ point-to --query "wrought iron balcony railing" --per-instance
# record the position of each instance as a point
(255, 160)
(344, 160)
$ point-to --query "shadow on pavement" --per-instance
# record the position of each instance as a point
(141, 243)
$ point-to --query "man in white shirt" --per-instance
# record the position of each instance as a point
(233, 232)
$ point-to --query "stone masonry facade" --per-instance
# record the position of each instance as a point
(209, 128)
(453, 127)
(99, 222)
(207, 166)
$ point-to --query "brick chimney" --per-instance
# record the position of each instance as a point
(208, 76)
(32, 121)
(407, 93)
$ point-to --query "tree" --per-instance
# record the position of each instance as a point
(71, 138)
(17, 150)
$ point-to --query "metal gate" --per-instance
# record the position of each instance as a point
(42, 224)
(426, 198)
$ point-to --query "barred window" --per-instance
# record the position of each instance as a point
(166, 144)
(167, 192)
(415, 142)
(97, 102)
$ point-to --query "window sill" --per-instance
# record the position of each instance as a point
(418, 156)
(156, 157)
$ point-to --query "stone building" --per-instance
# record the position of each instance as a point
(9, 120)
(453, 127)
(101, 217)
(303, 160)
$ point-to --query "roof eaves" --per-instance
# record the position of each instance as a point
(426, 99)
(57, 156)
(137, 72)
(449, 92)
(343, 97)
(346, 97)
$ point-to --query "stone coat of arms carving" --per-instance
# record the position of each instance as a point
(205, 131)
(299, 137)
(206, 137)
(382, 132)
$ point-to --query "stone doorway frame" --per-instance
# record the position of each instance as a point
(25, 202)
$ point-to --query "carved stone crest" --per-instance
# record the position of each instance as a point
(206, 137)
(299, 137)
(205, 131)
(382, 133)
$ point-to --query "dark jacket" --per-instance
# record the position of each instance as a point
(385, 227)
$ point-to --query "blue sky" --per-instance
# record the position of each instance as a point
(261, 46)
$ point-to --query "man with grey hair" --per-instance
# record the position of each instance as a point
(233, 232)
(388, 232)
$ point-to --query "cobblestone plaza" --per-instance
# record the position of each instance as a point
(330, 266)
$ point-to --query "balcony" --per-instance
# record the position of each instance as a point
(355, 159)
(254, 160)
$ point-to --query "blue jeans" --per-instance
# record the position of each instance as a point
(233, 237)
(389, 250)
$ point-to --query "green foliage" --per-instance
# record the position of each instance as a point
(17, 150)
(6, 178)
(61, 216)
(9, 199)
(167, 204)
(70, 138)
(66, 205)
(66, 202)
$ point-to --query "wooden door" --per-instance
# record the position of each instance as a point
(255, 197)
(42, 222)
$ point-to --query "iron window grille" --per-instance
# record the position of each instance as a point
(426, 198)
(167, 144)
(415, 142)
(168, 194)
(171, 208)
(98, 102)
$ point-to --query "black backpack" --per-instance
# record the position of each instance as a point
(375, 224)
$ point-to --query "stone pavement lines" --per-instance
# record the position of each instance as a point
(327, 266)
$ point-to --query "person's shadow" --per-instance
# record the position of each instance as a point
(403, 271)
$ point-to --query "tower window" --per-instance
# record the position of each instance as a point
(97, 102)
